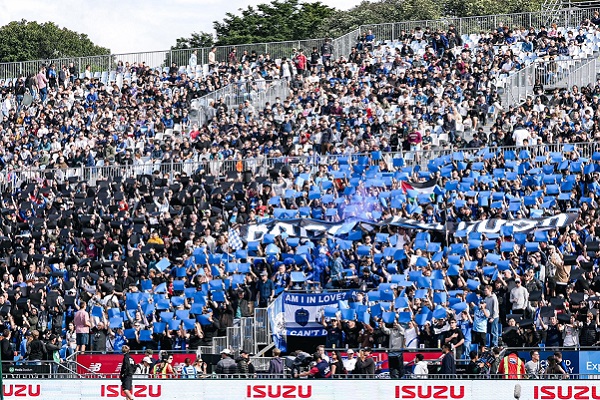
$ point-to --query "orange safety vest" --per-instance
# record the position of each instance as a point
(514, 368)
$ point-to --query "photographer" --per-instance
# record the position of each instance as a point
(319, 370)
(301, 361)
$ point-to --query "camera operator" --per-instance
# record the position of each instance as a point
(319, 369)
(300, 362)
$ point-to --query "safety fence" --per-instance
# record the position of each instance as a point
(546, 75)
(568, 17)
(258, 94)
(250, 167)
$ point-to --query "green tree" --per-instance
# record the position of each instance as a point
(379, 12)
(23, 40)
(470, 8)
(276, 21)
(196, 41)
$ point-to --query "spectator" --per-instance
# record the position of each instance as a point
(337, 365)
(6, 348)
(421, 369)
(474, 366)
(350, 361)
(455, 338)
(144, 369)
(188, 371)
(365, 365)
(82, 327)
(588, 334)
(243, 364)
(448, 364)
(200, 366)
(265, 290)
(519, 297)
(35, 349)
(554, 370)
(533, 367)
(276, 365)
(226, 366)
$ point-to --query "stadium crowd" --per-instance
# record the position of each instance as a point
(169, 261)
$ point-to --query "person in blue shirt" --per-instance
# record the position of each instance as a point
(480, 322)
(465, 323)
(266, 290)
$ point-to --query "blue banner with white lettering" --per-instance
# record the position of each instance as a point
(277, 323)
(589, 362)
(571, 360)
(303, 311)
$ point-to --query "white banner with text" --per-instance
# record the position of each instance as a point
(330, 389)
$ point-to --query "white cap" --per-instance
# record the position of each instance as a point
(225, 351)
(147, 360)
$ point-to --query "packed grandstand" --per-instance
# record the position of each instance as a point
(137, 209)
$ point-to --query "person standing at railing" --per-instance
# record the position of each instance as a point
(326, 51)
(53, 353)
(276, 365)
(448, 364)
(188, 371)
(6, 349)
(82, 327)
(512, 367)
(420, 370)
(41, 83)
(533, 366)
(193, 61)
(143, 369)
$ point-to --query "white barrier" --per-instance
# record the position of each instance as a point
(303, 389)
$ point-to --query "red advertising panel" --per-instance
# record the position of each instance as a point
(111, 363)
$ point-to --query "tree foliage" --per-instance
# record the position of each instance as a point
(283, 20)
(379, 12)
(276, 21)
(197, 40)
(23, 40)
(470, 8)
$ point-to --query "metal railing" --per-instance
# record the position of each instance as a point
(247, 334)
(258, 93)
(12, 179)
(262, 334)
(547, 75)
(570, 16)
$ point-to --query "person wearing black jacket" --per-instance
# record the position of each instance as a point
(127, 371)
(365, 365)
(36, 348)
(6, 350)
(448, 367)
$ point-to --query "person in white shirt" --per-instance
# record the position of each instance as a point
(533, 366)
(420, 371)
(519, 135)
(350, 361)
(519, 297)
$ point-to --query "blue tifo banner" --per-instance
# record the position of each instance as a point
(300, 314)
(589, 362)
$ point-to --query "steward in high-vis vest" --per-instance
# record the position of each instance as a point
(512, 367)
